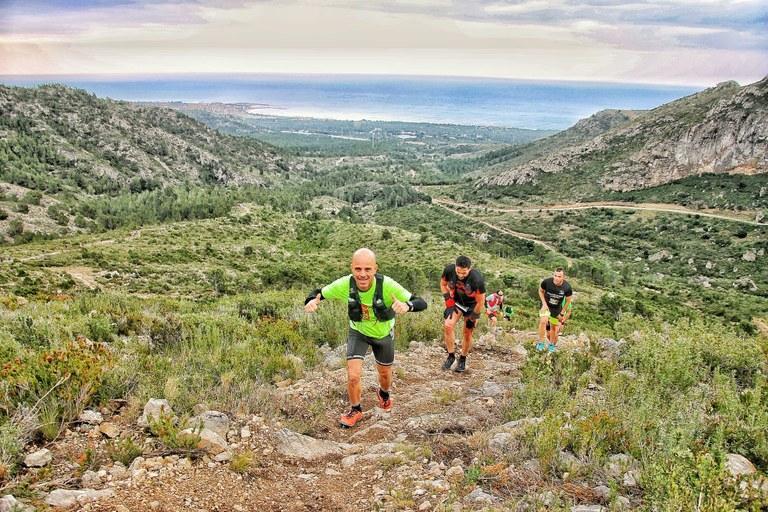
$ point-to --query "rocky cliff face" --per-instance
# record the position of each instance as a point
(720, 130)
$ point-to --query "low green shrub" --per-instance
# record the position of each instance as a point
(123, 450)
(59, 381)
(10, 447)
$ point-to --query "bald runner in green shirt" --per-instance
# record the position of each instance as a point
(373, 300)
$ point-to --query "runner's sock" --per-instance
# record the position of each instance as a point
(384, 394)
(358, 407)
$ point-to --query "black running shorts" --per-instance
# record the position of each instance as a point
(383, 348)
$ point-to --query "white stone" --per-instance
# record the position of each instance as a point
(38, 459)
(154, 409)
(119, 472)
(523, 422)
(137, 463)
(212, 420)
(660, 256)
(437, 485)
(293, 444)
(588, 508)
(90, 479)
(9, 503)
(478, 496)
(745, 283)
(739, 465)
(69, 497)
(225, 456)
(90, 417)
(245, 432)
(109, 429)
(455, 474)
(444, 423)
(208, 440)
(490, 388)
(425, 506)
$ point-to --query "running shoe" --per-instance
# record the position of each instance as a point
(461, 365)
(449, 362)
(551, 347)
(351, 418)
(384, 404)
(540, 346)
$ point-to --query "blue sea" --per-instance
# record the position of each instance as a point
(473, 101)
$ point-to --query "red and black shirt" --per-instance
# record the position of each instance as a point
(465, 291)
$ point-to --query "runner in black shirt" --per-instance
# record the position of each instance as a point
(464, 292)
(555, 294)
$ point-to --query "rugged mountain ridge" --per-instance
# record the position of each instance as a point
(723, 129)
(57, 138)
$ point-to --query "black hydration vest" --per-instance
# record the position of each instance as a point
(355, 307)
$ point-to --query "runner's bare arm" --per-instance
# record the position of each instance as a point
(444, 286)
(313, 299)
(480, 302)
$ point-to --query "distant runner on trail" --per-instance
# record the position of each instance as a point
(555, 294)
(463, 289)
(493, 308)
(372, 300)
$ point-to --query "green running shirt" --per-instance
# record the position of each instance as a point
(369, 325)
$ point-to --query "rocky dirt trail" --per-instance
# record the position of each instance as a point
(651, 207)
(413, 457)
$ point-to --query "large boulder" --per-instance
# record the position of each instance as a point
(293, 444)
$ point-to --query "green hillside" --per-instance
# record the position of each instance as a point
(59, 139)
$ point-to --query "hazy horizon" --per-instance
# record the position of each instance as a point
(530, 104)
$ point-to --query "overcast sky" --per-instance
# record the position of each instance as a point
(693, 42)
